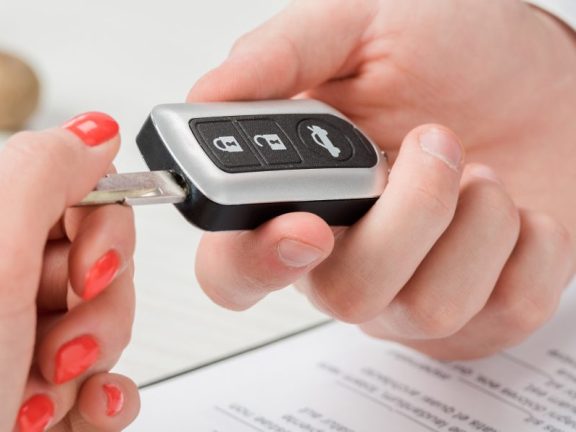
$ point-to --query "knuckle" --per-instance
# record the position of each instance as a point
(348, 308)
(125, 335)
(433, 202)
(15, 266)
(258, 282)
(20, 139)
(212, 290)
(123, 327)
(551, 241)
(505, 213)
(562, 238)
(500, 210)
(552, 232)
(238, 298)
(522, 314)
(340, 10)
(131, 269)
(71, 423)
(282, 44)
(348, 296)
(242, 41)
(43, 152)
(430, 320)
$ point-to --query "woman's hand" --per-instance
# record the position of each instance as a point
(66, 296)
(456, 260)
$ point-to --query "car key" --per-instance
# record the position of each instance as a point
(235, 165)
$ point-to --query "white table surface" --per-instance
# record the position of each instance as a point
(123, 57)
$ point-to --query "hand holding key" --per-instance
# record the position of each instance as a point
(446, 261)
(66, 296)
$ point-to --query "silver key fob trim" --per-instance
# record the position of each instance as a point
(171, 122)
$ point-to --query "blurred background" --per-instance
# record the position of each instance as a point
(122, 58)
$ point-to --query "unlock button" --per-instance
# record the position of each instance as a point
(271, 142)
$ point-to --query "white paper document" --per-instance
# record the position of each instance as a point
(335, 379)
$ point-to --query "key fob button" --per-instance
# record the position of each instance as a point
(271, 142)
(325, 140)
(224, 144)
(244, 163)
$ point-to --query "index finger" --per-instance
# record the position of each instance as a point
(41, 173)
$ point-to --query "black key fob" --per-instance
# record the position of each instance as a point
(243, 163)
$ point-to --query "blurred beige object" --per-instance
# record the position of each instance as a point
(19, 92)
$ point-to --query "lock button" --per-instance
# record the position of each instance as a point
(271, 142)
(224, 144)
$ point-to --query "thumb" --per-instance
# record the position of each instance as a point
(303, 46)
(41, 174)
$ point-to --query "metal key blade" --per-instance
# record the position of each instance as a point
(156, 187)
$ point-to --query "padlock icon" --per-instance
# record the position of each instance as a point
(228, 144)
(272, 140)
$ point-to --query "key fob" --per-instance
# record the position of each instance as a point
(243, 163)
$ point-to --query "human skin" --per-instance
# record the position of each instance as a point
(66, 282)
(456, 260)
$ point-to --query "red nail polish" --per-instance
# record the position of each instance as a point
(36, 414)
(75, 357)
(93, 128)
(114, 399)
(101, 274)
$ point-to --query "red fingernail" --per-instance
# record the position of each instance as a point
(93, 128)
(114, 399)
(36, 414)
(75, 357)
(101, 274)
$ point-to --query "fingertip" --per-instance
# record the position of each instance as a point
(306, 227)
(101, 274)
(441, 143)
(109, 401)
(36, 413)
(299, 240)
(302, 240)
(426, 175)
(297, 254)
(258, 262)
(62, 162)
(205, 89)
(93, 128)
(102, 249)
(94, 269)
(230, 81)
(91, 338)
